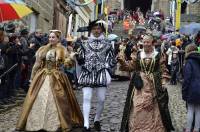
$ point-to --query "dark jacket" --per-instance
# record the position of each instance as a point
(3, 57)
(174, 65)
(191, 85)
(15, 53)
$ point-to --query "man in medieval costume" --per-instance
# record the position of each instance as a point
(96, 57)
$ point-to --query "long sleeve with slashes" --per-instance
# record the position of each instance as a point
(164, 72)
(110, 59)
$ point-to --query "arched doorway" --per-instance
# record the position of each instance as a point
(144, 5)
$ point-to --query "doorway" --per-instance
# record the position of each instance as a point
(144, 5)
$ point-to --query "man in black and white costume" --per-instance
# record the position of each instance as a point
(96, 57)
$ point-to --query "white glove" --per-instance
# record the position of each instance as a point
(72, 55)
(107, 65)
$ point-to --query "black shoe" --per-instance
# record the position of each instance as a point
(86, 129)
(97, 126)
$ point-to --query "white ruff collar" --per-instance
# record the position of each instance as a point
(99, 38)
(152, 55)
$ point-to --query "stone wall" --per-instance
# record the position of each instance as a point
(114, 4)
(191, 15)
(164, 6)
(43, 13)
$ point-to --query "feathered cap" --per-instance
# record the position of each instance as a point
(97, 22)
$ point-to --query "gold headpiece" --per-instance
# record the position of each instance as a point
(57, 32)
(148, 37)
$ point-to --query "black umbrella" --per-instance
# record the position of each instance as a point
(82, 29)
(139, 30)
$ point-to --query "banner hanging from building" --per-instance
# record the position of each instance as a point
(69, 25)
(178, 14)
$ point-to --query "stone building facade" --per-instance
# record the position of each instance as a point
(163, 5)
(61, 15)
(191, 10)
(114, 4)
(191, 13)
(42, 16)
(48, 14)
(82, 16)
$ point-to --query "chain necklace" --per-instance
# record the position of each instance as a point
(152, 64)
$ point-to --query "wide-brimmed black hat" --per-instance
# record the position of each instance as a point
(97, 22)
(82, 29)
(24, 31)
(10, 28)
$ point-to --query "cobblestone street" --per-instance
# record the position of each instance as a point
(112, 114)
(114, 105)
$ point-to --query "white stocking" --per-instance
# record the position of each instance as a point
(87, 96)
(101, 94)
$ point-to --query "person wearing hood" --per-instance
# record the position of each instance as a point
(96, 57)
(191, 87)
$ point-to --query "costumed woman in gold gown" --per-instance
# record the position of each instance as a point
(146, 107)
(50, 103)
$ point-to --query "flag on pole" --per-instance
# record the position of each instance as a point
(106, 14)
(106, 10)
(178, 14)
(97, 9)
(70, 24)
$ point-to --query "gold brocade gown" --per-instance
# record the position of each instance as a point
(146, 109)
(50, 103)
(145, 117)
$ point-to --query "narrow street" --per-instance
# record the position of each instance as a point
(41, 41)
(114, 104)
(112, 114)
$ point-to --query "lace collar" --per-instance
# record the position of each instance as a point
(92, 37)
(152, 55)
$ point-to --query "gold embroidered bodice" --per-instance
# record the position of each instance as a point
(50, 62)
